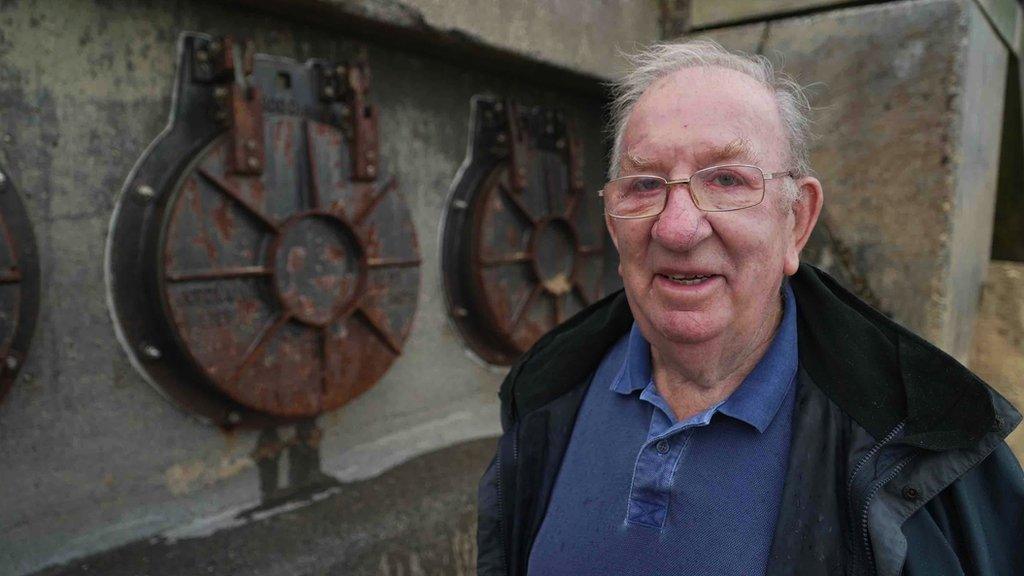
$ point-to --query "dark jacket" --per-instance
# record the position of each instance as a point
(897, 461)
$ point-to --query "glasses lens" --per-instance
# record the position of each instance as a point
(634, 196)
(721, 188)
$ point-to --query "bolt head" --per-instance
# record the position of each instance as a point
(234, 417)
(502, 138)
(220, 92)
(250, 144)
(329, 91)
(460, 204)
(151, 352)
(145, 190)
(252, 162)
(371, 169)
(202, 55)
(11, 363)
(3, 179)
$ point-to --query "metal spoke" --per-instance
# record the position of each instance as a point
(324, 340)
(391, 186)
(572, 203)
(380, 331)
(10, 276)
(392, 262)
(577, 286)
(314, 184)
(513, 258)
(520, 207)
(219, 274)
(557, 309)
(230, 191)
(590, 250)
(521, 311)
(259, 343)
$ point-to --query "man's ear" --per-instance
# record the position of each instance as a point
(806, 210)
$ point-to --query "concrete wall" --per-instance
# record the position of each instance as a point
(908, 102)
(93, 457)
(997, 354)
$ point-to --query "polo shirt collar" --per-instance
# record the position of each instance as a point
(757, 399)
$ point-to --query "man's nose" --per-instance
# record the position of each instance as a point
(681, 225)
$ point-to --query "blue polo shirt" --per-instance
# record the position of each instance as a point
(640, 493)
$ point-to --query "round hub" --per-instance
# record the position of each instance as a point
(554, 250)
(317, 267)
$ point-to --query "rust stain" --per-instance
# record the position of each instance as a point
(224, 220)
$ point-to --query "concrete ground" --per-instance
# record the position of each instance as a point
(416, 519)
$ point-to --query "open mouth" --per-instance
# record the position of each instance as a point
(688, 279)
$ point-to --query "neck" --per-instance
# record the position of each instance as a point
(694, 377)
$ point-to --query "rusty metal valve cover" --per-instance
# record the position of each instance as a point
(19, 283)
(261, 259)
(523, 244)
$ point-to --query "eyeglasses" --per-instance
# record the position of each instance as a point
(714, 189)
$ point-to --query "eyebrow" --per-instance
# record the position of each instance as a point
(738, 149)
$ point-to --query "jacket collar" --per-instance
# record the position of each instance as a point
(876, 371)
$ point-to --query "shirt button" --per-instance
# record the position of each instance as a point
(662, 446)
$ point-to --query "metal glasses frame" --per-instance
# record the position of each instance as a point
(765, 177)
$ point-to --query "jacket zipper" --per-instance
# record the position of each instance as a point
(501, 501)
(865, 539)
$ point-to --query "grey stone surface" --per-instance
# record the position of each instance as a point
(907, 101)
(417, 519)
(705, 13)
(582, 36)
(92, 456)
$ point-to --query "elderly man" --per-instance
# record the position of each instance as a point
(734, 411)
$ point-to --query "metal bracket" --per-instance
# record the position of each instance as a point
(517, 146)
(365, 141)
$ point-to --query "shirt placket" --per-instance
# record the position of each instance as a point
(651, 490)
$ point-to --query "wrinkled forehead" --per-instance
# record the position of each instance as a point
(705, 115)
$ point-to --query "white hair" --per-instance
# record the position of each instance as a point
(661, 59)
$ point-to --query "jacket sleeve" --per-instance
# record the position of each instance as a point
(490, 547)
(981, 520)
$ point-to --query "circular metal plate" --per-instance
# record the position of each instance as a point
(19, 283)
(520, 255)
(537, 255)
(292, 292)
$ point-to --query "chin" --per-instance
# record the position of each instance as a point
(685, 327)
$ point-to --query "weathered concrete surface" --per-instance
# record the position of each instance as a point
(417, 519)
(997, 355)
(908, 105)
(581, 36)
(92, 456)
(705, 13)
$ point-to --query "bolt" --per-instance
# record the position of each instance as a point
(370, 154)
(221, 116)
(460, 204)
(3, 179)
(461, 312)
(234, 417)
(8, 138)
(346, 111)
(252, 162)
(502, 138)
(151, 352)
(215, 46)
(560, 143)
(250, 144)
(498, 107)
(202, 55)
(12, 363)
(146, 191)
(329, 91)
(220, 92)
(371, 169)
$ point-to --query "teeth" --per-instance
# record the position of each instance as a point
(688, 280)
